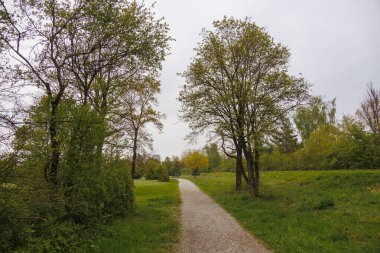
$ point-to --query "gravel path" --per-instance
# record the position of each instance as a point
(206, 227)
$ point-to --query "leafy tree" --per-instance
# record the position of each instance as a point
(139, 112)
(213, 156)
(355, 147)
(177, 166)
(73, 45)
(154, 170)
(238, 87)
(168, 165)
(318, 147)
(195, 161)
(284, 137)
(315, 114)
(85, 58)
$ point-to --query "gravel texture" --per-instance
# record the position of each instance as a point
(206, 227)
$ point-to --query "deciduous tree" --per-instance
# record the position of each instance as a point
(195, 161)
(213, 156)
(238, 86)
(315, 114)
(139, 111)
(369, 111)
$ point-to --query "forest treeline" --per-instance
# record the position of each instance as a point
(79, 84)
(238, 90)
(353, 142)
(313, 139)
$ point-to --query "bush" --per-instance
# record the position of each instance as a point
(14, 231)
(120, 195)
(155, 171)
(163, 174)
(91, 190)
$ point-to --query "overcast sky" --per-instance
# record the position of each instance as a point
(335, 44)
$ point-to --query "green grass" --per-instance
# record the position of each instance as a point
(154, 228)
(306, 211)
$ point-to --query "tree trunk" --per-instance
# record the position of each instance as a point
(257, 172)
(251, 172)
(239, 165)
(134, 155)
(54, 145)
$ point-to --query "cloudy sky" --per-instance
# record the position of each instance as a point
(335, 44)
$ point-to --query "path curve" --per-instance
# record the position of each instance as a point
(206, 227)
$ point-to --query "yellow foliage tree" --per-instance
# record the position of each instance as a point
(195, 161)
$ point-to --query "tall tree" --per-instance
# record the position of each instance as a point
(238, 85)
(177, 166)
(140, 111)
(214, 158)
(64, 47)
(284, 137)
(369, 111)
(316, 113)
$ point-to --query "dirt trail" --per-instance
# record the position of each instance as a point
(206, 227)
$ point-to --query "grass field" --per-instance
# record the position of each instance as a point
(306, 211)
(154, 228)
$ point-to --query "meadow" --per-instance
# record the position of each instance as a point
(305, 211)
(153, 228)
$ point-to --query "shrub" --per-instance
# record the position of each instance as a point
(155, 171)
(163, 174)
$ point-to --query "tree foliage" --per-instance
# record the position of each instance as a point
(213, 156)
(315, 114)
(237, 86)
(195, 161)
(348, 144)
(85, 61)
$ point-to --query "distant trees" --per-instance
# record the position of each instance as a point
(153, 169)
(369, 111)
(195, 161)
(327, 143)
(284, 137)
(213, 156)
(177, 166)
(238, 87)
(316, 113)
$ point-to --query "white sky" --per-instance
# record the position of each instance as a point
(335, 44)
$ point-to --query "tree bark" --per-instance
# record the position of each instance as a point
(251, 172)
(257, 172)
(134, 155)
(54, 145)
(239, 165)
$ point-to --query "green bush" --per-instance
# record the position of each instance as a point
(14, 230)
(163, 174)
(155, 171)
(92, 188)
(120, 195)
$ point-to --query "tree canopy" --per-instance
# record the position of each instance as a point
(237, 87)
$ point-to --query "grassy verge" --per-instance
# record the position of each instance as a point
(154, 228)
(306, 211)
